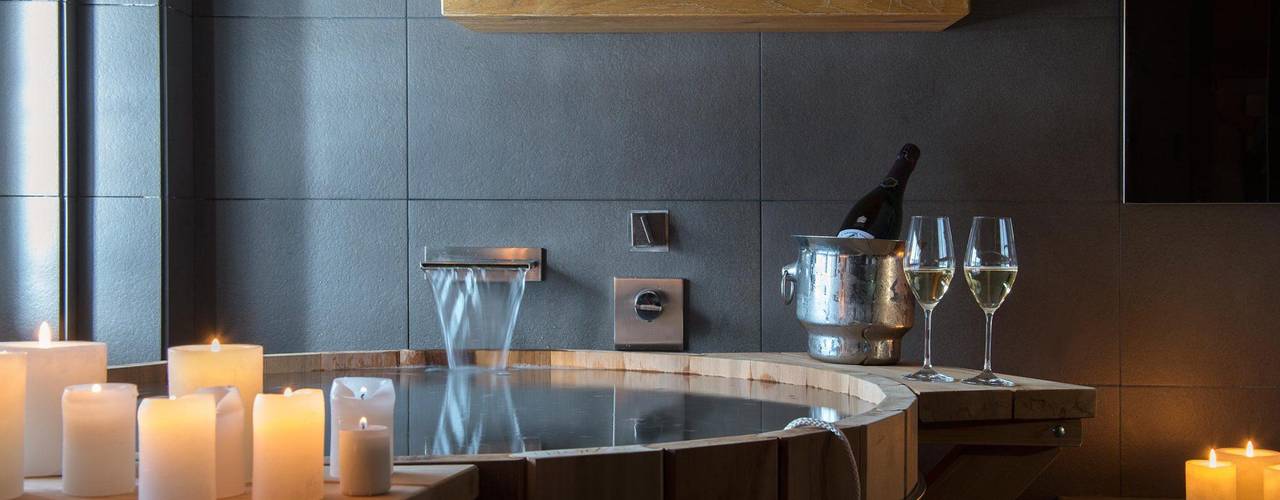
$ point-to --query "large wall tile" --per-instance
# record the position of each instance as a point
(1093, 469)
(29, 103)
(120, 276)
(300, 8)
(1023, 109)
(581, 116)
(1059, 323)
(424, 8)
(715, 247)
(1161, 427)
(1198, 296)
(29, 269)
(312, 275)
(309, 107)
(119, 101)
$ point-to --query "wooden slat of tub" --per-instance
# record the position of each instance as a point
(687, 466)
(622, 473)
(502, 477)
(812, 464)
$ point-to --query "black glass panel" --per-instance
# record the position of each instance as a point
(1198, 81)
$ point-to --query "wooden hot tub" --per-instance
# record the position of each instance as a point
(802, 463)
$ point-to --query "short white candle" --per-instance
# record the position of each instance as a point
(1271, 483)
(288, 445)
(230, 467)
(1210, 479)
(13, 394)
(192, 367)
(176, 451)
(99, 425)
(366, 460)
(51, 367)
(354, 398)
(1249, 466)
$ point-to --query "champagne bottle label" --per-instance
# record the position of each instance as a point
(855, 233)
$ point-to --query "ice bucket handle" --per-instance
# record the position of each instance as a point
(788, 283)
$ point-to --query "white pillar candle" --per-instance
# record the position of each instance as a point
(192, 367)
(98, 436)
(230, 466)
(1271, 483)
(51, 367)
(1210, 479)
(1249, 466)
(354, 398)
(366, 460)
(13, 394)
(176, 448)
(288, 445)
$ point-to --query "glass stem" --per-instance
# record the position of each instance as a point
(928, 338)
(986, 358)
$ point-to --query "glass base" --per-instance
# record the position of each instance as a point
(928, 374)
(988, 378)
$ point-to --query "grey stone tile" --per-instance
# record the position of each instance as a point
(192, 313)
(1018, 109)
(309, 107)
(29, 105)
(1093, 469)
(314, 275)
(715, 248)
(1060, 322)
(424, 8)
(120, 276)
(183, 179)
(1162, 427)
(581, 116)
(29, 271)
(1197, 304)
(301, 8)
(119, 101)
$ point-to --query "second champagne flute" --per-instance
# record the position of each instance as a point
(990, 267)
(929, 263)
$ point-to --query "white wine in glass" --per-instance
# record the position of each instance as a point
(929, 263)
(990, 268)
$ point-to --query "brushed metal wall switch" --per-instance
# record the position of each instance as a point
(648, 314)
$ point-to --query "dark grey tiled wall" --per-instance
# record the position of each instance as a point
(328, 141)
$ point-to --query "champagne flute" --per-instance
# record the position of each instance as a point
(990, 267)
(929, 264)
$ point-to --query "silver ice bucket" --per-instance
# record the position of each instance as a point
(852, 297)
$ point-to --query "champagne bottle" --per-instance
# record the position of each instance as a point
(879, 213)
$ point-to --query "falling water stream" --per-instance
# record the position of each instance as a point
(477, 308)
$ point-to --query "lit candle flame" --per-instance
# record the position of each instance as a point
(364, 391)
(96, 388)
(215, 346)
(1248, 449)
(288, 391)
(364, 423)
(1213, 458)
(45, 335)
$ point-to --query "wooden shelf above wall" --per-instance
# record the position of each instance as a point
(552, 16)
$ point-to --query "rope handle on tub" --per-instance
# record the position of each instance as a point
(848, 449)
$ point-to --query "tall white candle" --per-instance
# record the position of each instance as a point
(354, 398)
(13, 394)
(192, 367)
(51, 367)
(366, 460)
(230, 466)
(176, 452)
(98, 435)
(288, 445)
(1249, 466)
(1210, 479)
